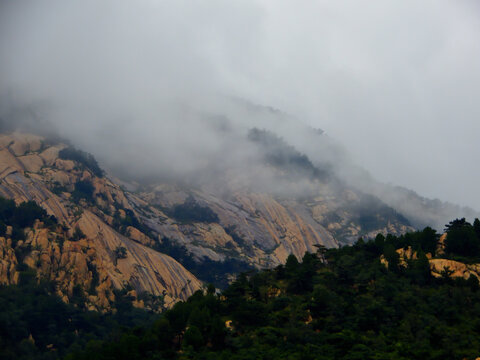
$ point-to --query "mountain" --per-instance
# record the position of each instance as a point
(114, 239)
(88, 251)
(159, 238)
(346, 303)
(109, 253)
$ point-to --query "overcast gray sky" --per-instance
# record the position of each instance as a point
(396, 82)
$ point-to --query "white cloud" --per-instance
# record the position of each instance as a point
(396, 82)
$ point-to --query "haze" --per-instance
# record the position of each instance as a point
(133, 82)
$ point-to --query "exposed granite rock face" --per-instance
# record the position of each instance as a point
(253, 227)
(258, 228)
(30, 170)
(439, 267)
(261, 228)
(143, 268)
(455, 268)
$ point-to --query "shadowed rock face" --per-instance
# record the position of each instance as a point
(263, 229)
(258, 228)
(32, 170)
(254, 227)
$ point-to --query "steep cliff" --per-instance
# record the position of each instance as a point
(214, 231)
(87, 254)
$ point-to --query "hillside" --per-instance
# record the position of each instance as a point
(88, 249)
(214, 229)
(164, 237)
(72, 236)
(336, 304)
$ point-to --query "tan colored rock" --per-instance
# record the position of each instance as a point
(50, 154)
(441, 244)
(61, 177)
(458, 269)
(8, 263)
(19, 147)
(20, 188)
(5, 140)
(71, 264)
(23, 143)
(138, 236)
(8, 163)
(67, 165)
(229, 324)
(439, 267)
(143, 268)
(32, 163)
(39, 238)
(213, 234)
(286, 228)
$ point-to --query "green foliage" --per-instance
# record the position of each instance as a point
(374, 214)
(58, 189)
(85, 159)
(231, 230)
(77, 234)
(193, 337)
(34, 324)
(120, 252)
(280, 154)
(83, 190)
(191, 211)
(348, 307)
(462, 238)
(476, 227)
(21, 217)
(337, 304)
(210, 271)
(122, 223)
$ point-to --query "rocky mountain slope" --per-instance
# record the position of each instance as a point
(90, 253)
(259, 213)
(128, 235)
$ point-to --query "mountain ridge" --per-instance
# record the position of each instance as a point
(164, 238)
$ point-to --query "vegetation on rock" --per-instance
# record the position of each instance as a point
(36, 324)
(83, 158)
(348, 306)
(21, 216)
(218, 273)
(191, 211)
(83, 190)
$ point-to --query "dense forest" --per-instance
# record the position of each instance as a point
(335, 304)
(34, 323)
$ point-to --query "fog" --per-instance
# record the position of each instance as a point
(168, 88)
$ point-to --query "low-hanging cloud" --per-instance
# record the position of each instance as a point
(154, 86)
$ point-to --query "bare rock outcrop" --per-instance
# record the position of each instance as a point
(439, 267)
(90, 263)
(455, 269)
(118, 230)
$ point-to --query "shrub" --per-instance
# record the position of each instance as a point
(84, 158)
(78, 234)
(120, 252)
(461, 239)
(191, 211)
(83, 190)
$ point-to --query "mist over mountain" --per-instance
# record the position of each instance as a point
(172, 91)
(237, 146)
(260, 179)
